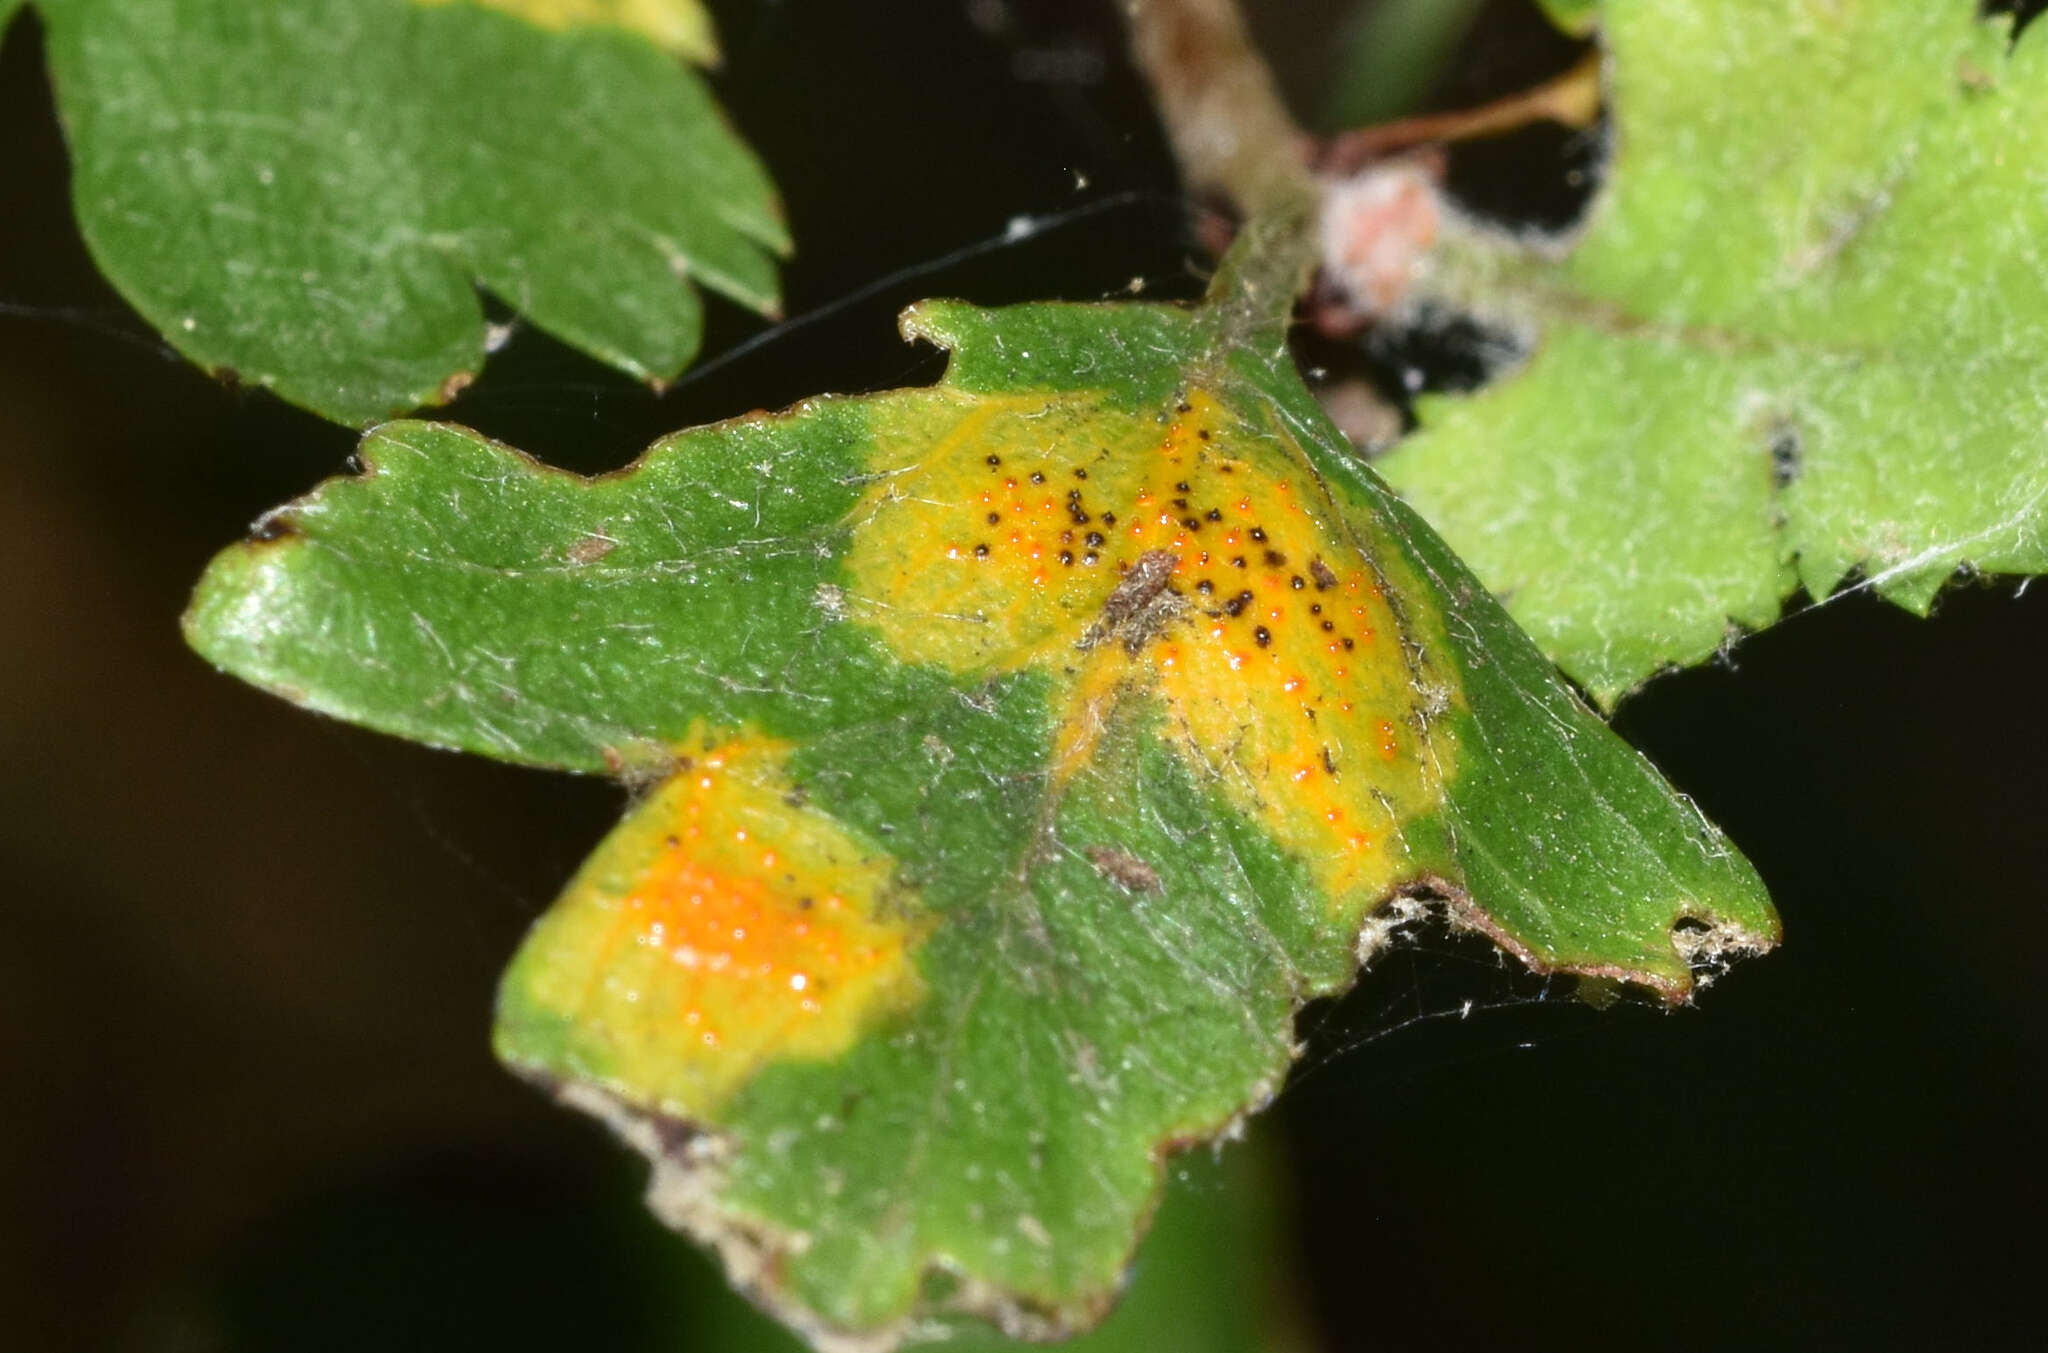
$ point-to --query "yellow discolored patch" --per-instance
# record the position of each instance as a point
(1187, 554)
(724, 925)
(679, 26)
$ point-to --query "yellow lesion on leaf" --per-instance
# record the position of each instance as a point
(679, 26)
(726, 924)
(1178, 551)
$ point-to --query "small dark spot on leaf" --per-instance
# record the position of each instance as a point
(1124, 869)
(1787, 455)
(590, 549)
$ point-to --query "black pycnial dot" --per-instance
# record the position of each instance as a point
(1259, 534)
(1315, 608)
(1109, 519)
(995, 518)
(1184, 408)
(1181, 503)
(1182, 486)
(1237, 561)
(1262, 636)
(1235, 606)
(1037, 477)
(1348, 643)
(1095, 538)
(1296, 582)
(981, 551)
(1192, 523)
(1080, 473)
(1215, 514)
(1275, 558)
(1328, 626)
(1066, 556)
(995, 460)
(1205, 587)
(1090, 557)
(1203, 433)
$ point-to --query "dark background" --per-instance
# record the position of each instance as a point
(246, 955)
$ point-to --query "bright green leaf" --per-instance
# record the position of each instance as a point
(1019, 755)
(1576, 17)
(1800, 337)
(308, 194)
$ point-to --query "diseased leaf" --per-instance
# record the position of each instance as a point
(1799, 338)
(681, 26)
(1020, 754)
(307, 195)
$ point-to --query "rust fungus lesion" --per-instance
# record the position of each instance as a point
(1124, 869)
(1143, 604)
(727, 924)
(1176, 555)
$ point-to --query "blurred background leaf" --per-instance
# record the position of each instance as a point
(304, 198)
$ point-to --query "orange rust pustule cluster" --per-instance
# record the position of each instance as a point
(1274, 646)
(725, 924)
(749, 941)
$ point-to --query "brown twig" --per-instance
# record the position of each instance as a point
(1233, 136)
(1572, 99)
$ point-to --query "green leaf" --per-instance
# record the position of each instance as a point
(679, 26)
(1390, 54)
(308, 195)
(1019, 755)
(1799, 339)
(1212, 1276)
(1576, 17)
